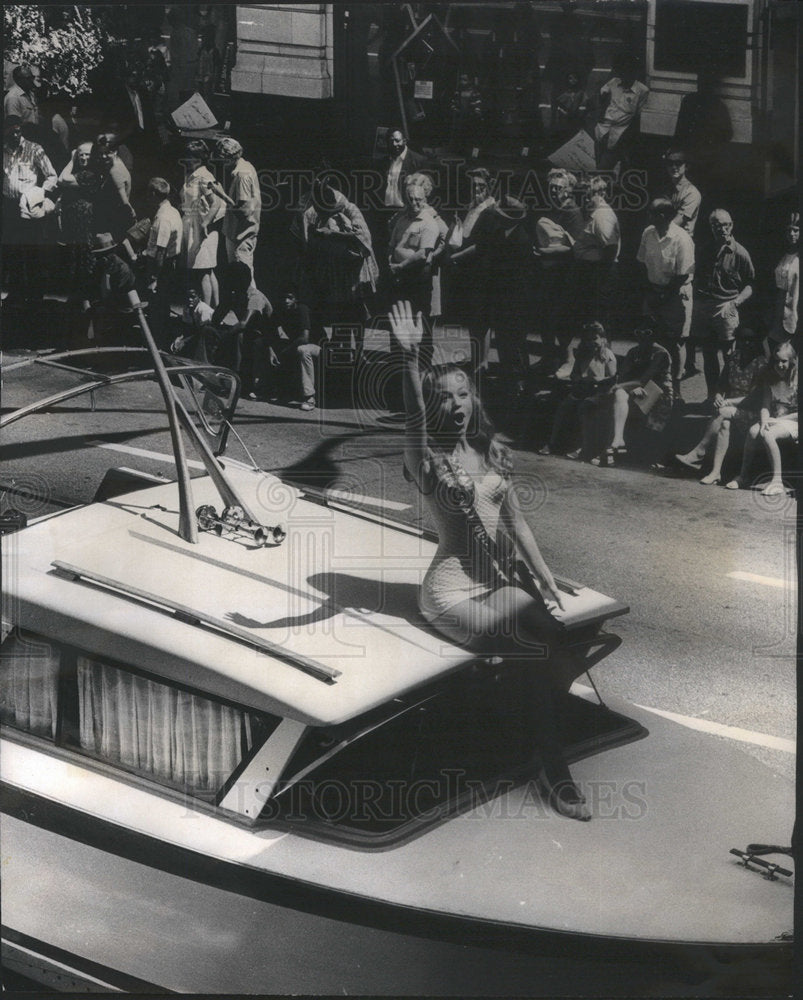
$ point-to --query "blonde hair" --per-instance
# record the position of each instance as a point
(419, 180)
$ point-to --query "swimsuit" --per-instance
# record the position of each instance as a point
(458, 572)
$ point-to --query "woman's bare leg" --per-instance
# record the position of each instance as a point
(781, 431)
(511, 624)
(621, 407)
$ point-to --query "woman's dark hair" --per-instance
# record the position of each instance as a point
(480, 431)
(197, 149)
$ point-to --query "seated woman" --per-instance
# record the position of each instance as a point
(733, 402)
(464, 475)
(593, 371)
(777, 419)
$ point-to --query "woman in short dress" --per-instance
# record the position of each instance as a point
(203, 211)
(465, 477)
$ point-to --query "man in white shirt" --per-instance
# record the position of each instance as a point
(161, 253)
(620, 102)
(666, 254)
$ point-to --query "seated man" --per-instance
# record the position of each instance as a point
(237, 344)
(289, 348)
(195, 315)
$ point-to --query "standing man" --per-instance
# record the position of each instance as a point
(620, 102)
(242, 218)
(401, 162)
(21, 100)
(723, 282)
(685, 197)
(26, 171)
(667, 255)
(161, 253)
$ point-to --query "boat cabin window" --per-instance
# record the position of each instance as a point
(162, 731)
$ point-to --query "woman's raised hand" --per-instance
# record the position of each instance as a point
(406, 331)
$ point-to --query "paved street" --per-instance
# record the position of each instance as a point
(708, 573)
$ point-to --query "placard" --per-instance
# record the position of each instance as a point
(194, 114)
(423, 90)
(576, 154)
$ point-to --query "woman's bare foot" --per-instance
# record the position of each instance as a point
(692, 460)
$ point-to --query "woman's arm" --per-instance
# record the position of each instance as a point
(407, 332)
(527, 547)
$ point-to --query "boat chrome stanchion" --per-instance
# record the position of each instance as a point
(187, 526)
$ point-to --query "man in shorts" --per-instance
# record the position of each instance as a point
(723, 281)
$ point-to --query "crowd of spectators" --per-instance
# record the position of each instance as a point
(492, 265)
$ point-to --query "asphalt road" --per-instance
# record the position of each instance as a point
(709, 574)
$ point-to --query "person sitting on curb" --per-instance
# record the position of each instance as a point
(593, 372)
(237, 344)
(644, 393)
(734, 404)
(777, 419)
(195, 315)
(289, 351)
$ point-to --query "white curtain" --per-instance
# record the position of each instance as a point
(176, 737)
(29, 679)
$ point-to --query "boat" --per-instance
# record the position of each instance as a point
(235, 759)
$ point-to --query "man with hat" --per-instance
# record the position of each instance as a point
(114, 280)
(21, 99)
(242, 218)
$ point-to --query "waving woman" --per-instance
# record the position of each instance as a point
(470, 593)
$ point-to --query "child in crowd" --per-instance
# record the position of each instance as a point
(777, 419)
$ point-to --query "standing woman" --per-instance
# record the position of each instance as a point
(465, 303)
(414, 234)
(464, 474)
(339, 263)
(202, 210)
